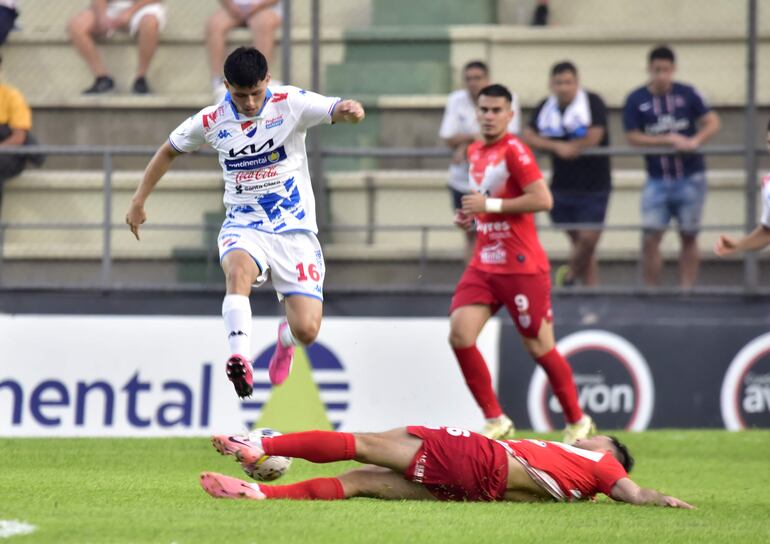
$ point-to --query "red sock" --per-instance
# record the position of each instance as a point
(479, 381)
(563, 385)
(324, 489)
(315, 446)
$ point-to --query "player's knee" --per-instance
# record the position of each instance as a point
(238, 275)
(459, 339)
(307, 330)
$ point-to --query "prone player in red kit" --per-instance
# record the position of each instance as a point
(444, 463)
(509, 267)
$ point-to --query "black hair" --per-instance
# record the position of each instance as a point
(624, 456)
(479, 65)
(662, 52)
(497, 90)
(245, 67)
(561, 67)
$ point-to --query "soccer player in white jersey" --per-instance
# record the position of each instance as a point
(270, 226)
(757, 239)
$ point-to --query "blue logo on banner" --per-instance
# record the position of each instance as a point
(255, 162)
(328, 375)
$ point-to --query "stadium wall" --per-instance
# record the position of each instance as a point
(149, 364)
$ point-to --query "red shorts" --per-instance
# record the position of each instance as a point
(527, 296)
(458, 465)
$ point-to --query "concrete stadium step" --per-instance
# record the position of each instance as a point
(672, 16)
(610, 55)
(401, 198)
(445, 12)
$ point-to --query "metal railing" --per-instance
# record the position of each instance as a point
(369, 229)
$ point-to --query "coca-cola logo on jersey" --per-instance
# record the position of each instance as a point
(745, 398)
(613, 381)
(255, 175)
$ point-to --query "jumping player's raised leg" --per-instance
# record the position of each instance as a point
(303, 321)
(466, 323)
(241, 271)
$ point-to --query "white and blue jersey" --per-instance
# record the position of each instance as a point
(676, 112)
(263, 158)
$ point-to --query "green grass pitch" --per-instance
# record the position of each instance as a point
(146, 490)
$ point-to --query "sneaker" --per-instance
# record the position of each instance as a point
(140, 86)
(540, 17)
(582, 428)
(238, 370)
(499, 428)
(101, 85)
(280, 362)
(244, 450)
(220, 486)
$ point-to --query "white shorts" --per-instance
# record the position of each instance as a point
(157, 10)
(293, 260)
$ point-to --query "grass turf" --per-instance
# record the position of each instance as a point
(146, 490)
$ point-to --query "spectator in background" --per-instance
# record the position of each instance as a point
(570, 120)
(460, 128)
(665, 113)
(15, 124)
(262, 17)
(8, 14)
(143, 19)
(540, 15)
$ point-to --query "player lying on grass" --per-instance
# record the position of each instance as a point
(440, 464)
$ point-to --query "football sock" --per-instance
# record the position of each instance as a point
(479, 381)
(236, 310)
(563, 385)
(287, 338)
(326, 489)
(315, 446)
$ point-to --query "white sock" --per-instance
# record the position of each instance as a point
(287, 338)
(236, 309)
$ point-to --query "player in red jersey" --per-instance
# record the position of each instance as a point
(509, 267)
(442, 463)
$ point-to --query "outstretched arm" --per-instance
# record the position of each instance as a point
(625, 490)
(156, 168)
(755, 240)
(348, 111)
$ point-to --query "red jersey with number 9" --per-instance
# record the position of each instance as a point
(505, 243)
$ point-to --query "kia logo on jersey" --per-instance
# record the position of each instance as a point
(613, 381)
(745, 396)
(251, 149)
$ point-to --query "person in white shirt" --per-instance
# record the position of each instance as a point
(270, 226)
(262, 17)
(143, 19)
(460, 128)
(757, 239)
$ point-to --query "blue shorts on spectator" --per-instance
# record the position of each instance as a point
(680, 199)
(586, 209)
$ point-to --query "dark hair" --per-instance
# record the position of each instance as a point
(768, 123)
(497, 90)
(623, 455)
(561, 67)
(662, 52)
(479, 65)
(245, 67)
